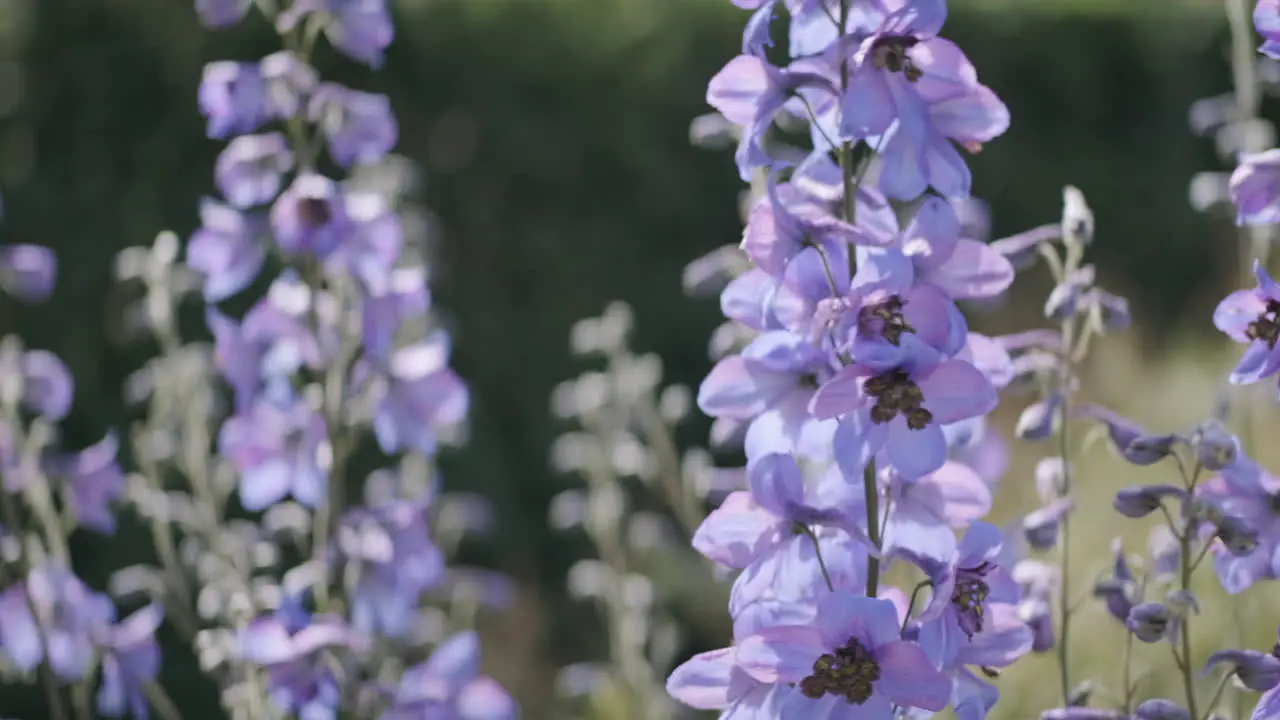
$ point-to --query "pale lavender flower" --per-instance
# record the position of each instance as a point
(250, 169)
(279, 448)
(395, 562)
(47, 387)
(1266, 18)
(291, 645)
(72, 616)
(239, 98)
(850, 663)
(897, 401)
(416, 394)
(130, 660)
(360, 29)
(358, 126)
(310, 217)
(219, 14)
(95, 481)
(1255, 188)
(1246, 492)
(1253, 317)
(228, 249)
(449, 686)
(27, 272)
(402, 297)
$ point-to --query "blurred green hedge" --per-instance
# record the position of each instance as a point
(554, 137)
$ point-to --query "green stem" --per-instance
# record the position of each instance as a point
(1188, 679)
(817, 550)
(871, 492)
(1217, 695)
(911, 602)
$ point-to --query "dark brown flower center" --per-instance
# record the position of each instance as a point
(851, 672)
(968, 596)
(890, 53)
(895, 393)
(885, 319)
(1267, 326)
(314, 212)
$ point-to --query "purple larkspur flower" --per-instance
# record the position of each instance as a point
(360, 29)
(922, 514)
(788, 218)
(72, 616)
(358, 126)
(1253, 317)
(849, 663)
(291, 645)
(415, 394)
(1255, 188)
(239, 97)
(1120, 590)
(227, 250)
(764, 532)
(713, 680)
(310, 217)
(272, 342)
(374, 239)
(402, 297)
(47, 387)
(1257, 671)
(279, 448)
(750, 93)
(219, 14)
(1246, 492)
(896, 402)
(1003, 639)
(449, 686)
(965, 587)
(1161, 709)
(1266, 18)
(130, 660)
(912, 93)
(27, 272)
(770, 385)
(395, 562)
(250, 169)
(95, 481)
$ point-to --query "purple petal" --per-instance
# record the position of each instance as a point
(735, 533)
(955, 390)
(974, 270)
(908, 678)
(915, 453)
(781, 654)
(703, 681)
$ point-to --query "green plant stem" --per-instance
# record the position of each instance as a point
(1188, 678)
(817, 550)
(871, 492)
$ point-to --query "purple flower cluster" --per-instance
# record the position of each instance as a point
(340, 344)
(854, 385)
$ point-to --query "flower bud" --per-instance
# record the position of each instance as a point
(1165, 553)
(1157, 709)
(1216, 448)
(1141, 501)
(1256, 670)
(1077, 218)
(1050, 478)
(1037, 420)
(1040, 527)
(708, 275)
(1149, 621)
(1119, 591)
(1037, 614)
(1182, 602)
(1133, 442)
(1080, 694)
(1108, 312)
